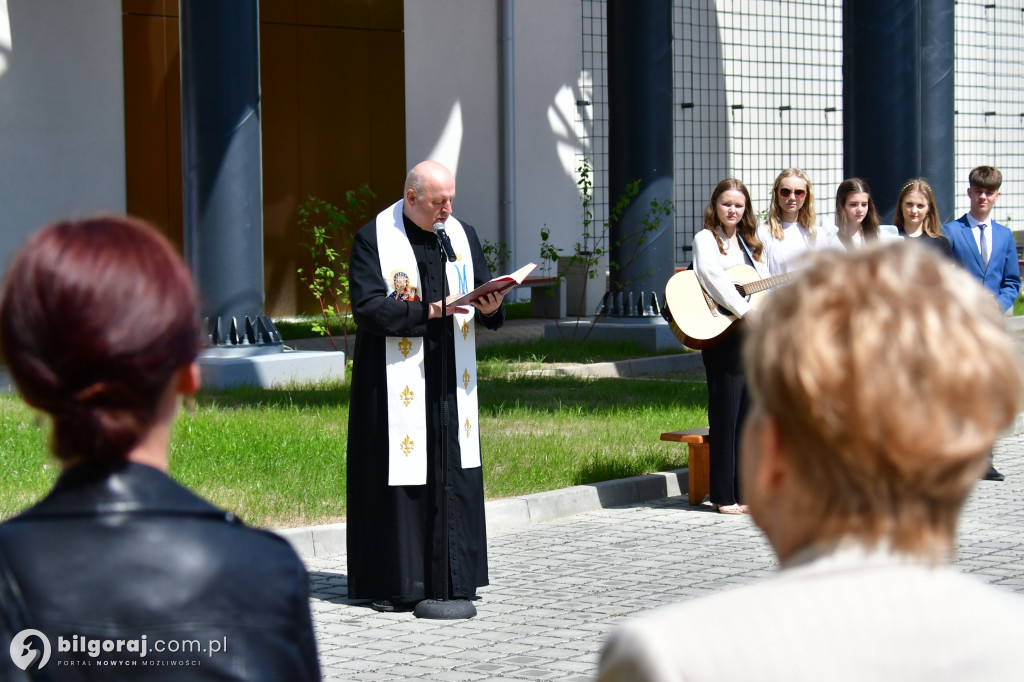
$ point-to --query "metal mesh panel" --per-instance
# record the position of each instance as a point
(758, 89)
(990, 101)
(594, 109)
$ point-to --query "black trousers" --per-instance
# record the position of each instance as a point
(728, 404)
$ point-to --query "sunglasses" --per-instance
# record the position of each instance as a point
(798, 193)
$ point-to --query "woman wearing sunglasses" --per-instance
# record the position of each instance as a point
(792, 228)
(856, 217)
(917, 216)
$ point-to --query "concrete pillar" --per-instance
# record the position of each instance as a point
(898, 97)
(222, 183)
(640, 146)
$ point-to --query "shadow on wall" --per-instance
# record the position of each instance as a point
(578, 122)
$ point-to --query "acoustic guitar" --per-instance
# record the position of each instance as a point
(696, 319)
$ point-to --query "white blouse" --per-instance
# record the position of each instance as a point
(710, 265)
(885, 233)
(784, 254)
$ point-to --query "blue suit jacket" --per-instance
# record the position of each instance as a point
(1002, 276)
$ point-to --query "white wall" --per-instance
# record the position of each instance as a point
(549, 138)
(452, 84)
(451, 100)
(989, 102)
(61, 113)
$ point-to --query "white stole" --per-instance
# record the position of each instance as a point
(406, 383)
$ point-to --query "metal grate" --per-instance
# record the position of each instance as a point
(758, 89)
(593, 108)
(990, 100)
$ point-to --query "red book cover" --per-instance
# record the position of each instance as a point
(502, 285)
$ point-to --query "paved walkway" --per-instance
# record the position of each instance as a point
(558, 587)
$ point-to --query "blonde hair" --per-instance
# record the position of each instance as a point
(806, 215)
(889, 381)
(930, 224)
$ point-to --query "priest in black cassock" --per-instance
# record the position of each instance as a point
(398, 277)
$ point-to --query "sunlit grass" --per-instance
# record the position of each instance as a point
(276, 458)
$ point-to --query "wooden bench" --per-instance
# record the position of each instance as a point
(549, 299)
(699, 442)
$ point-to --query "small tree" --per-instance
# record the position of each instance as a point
(496, 255)
(328, 231)
(589, 250)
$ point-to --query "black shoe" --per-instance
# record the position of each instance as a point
(392, 606)
(994, 475)
(382, 605)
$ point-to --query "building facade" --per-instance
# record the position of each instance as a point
(509, 94)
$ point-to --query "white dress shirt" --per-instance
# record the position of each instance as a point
(976, 231)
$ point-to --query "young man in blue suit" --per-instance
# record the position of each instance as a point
(985, 248)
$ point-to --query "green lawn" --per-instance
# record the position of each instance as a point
(277, 458)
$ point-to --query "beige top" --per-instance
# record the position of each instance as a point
(844, 616)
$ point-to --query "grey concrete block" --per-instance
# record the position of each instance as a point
(507, 513)
(270, 369)
(329, 539)
(301, 539)
(557, 504)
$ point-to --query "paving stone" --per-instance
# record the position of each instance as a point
(559, 587)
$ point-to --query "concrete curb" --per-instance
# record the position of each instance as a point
(512, 512)
(555, 504)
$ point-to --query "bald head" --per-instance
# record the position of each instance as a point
(429, 192)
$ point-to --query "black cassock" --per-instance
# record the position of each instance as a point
(394, 532)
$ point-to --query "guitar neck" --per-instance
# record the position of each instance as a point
(763, 284)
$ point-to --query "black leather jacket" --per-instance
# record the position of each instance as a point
(128, 554)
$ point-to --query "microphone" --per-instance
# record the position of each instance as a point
(446, 243)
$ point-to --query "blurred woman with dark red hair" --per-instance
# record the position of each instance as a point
(99, 328)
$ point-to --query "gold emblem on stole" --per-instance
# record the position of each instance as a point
(468, 427)
(405, 345)
(406, 446)
(406, 396)
(465, 378)
(465, 329)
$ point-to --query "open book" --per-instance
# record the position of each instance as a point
(502, 285)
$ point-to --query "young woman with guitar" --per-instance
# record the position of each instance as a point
(856, 216)
(729, 239)
(792, 223)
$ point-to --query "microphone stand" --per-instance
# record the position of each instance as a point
(444, 608)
